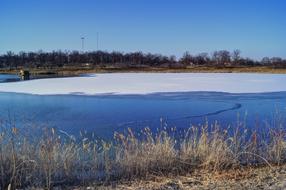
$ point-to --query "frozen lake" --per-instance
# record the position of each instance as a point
(137, 104)
(106, 114)
(146, 83)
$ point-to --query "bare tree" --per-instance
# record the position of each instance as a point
(265, 61)
(58, 59)
(222, 57)
(236, 56)
(187, 59)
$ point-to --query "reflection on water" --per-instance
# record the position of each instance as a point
(105, 114)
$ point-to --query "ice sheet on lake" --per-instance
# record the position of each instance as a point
(146, 83)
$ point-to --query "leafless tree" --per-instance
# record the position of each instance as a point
(236, 56)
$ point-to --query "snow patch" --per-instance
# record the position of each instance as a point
(146, 83)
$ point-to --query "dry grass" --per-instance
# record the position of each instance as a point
(74, 71)
(52, 159)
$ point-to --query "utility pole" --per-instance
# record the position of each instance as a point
(82, 44)
(97, 40)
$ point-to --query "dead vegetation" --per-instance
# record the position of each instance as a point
(54, 160)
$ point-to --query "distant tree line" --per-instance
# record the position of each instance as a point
(58, 59)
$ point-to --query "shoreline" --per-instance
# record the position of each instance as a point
(75, 71)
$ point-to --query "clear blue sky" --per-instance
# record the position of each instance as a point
(256, 27)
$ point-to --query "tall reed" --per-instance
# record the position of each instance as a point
(53, 159)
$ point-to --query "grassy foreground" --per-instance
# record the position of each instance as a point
(254, 178)
(53, 160)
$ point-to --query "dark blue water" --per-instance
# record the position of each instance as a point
(8, 78)
(104, 115)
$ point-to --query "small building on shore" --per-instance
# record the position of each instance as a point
(24, 74)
